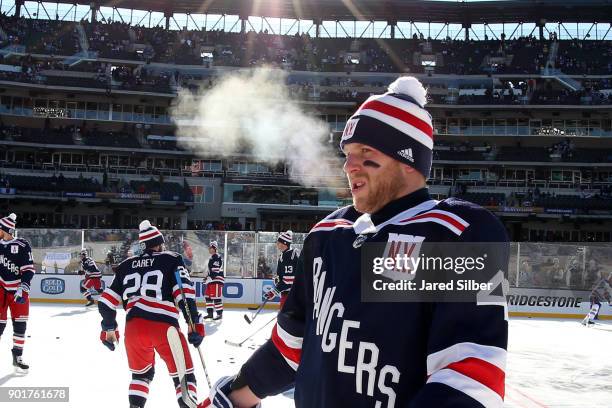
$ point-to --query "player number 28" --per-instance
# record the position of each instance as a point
(149, 284)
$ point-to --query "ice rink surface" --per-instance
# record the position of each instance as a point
(551, 363)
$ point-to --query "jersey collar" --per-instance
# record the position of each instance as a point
(404, 207)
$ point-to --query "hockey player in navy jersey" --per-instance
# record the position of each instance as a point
(146, 287)
(92, 285)
(341, 352)
(285, 268)
(16, 272)
(214, 283)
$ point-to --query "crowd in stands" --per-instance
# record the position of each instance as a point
(584, 202)
(564, 150)
(104, 75)
(53, 37)
(72, 135)
(58, 185)
(118, 40)
(585, 57)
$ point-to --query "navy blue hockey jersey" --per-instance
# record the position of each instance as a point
(90, 268)
(215, 269)
(285, 269)
(146, 287)
(342, 352)
(16, 264)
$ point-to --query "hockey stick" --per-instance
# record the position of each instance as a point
(176, 348)
(248, 319)
(191, 324)
(232, 343)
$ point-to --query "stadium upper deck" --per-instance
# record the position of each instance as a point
(385, 10)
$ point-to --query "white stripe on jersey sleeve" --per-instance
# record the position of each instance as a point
(460, 351)
(476, 390)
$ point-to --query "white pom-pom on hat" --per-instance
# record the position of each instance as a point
(409, 86)
(13, 216)
(145, 225)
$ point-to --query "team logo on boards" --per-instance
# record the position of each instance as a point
(52, 286)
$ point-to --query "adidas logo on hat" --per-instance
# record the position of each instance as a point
(406, 154)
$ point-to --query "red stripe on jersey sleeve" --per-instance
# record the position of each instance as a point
(482, 371)
(289, 353)
(110, 299)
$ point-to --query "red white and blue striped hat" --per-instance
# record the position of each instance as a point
(286, 237)
(7, 224)
(149, 235)
(396, 123)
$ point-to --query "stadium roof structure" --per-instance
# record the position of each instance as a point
(491, 12)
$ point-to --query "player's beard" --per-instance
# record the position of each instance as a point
(382, 186)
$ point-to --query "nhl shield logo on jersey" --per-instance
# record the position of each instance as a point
(359, 241)
(406, 248)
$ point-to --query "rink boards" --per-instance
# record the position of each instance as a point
(559, 303)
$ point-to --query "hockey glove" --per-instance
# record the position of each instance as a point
(21, 294)
(219, 394)
(109, 336)
(81, 272)
(271, 294)
(195, 337)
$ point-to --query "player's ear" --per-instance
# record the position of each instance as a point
(406, 169)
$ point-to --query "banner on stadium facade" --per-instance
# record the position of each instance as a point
(79, 195)
(128, 196)
(55, 262)
(528, 210)
(238, 210)
(559, 210)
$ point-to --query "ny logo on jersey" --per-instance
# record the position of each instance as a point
(14, 249)
(405, 249)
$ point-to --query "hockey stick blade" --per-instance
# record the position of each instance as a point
(231, 343)
(249, 321)
(176, 348)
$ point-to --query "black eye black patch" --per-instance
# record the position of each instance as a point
(370, 163)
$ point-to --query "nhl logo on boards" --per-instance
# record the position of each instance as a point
(359, 241)
(406, 154)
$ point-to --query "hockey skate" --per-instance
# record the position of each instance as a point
(218, 317)
(20, 366)
(90, 303)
